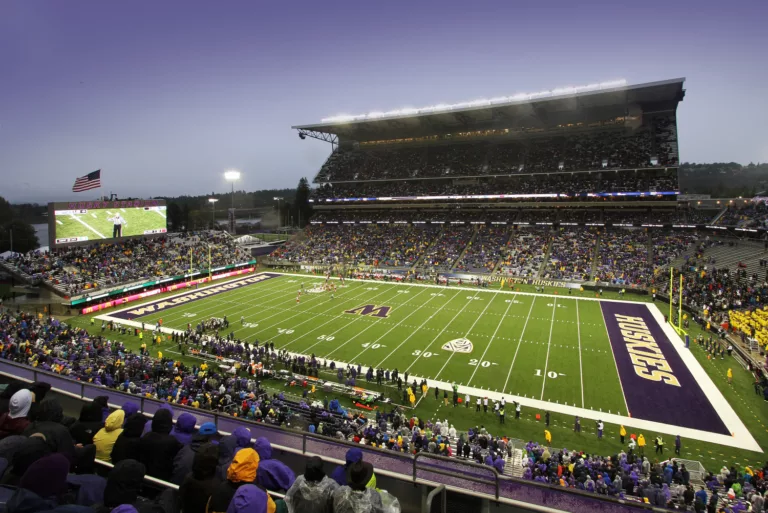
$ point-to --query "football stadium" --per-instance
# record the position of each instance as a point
(510, 303)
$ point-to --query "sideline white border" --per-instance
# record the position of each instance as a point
(741, 437)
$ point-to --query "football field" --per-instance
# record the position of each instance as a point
(609, 360)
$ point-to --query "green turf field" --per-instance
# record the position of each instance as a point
(522, 344)
(95, 224)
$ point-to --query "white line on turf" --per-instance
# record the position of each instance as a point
(282, 311)
(439, 334)
(519, 342)
(578, 334)
(395, 326)
(450, 356)
(387, 332)
(77, 218)
(214, 302)
(549, 345)
(621, 385)
(339, 316)
(416, 331)
(509, 305)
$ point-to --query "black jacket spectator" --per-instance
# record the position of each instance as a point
(128, 444)
(199, 485)
(158, 448)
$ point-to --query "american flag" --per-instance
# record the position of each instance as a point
(89, 181)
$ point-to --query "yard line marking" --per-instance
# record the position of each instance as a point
(393, 327)
(58, 222)
(157, 211)
(339, 316)
(578, 334)
(439, 334)
(509, 305)
(549, 344)
(468, 332)
(94, 215)
(621, 385)
(280, 311)
(122, 210)
(519, 342)
(215, 305)
(416, 331)
(86, 225)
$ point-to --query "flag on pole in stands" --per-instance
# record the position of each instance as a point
(89, 181)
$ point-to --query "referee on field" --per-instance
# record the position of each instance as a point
(117, 229)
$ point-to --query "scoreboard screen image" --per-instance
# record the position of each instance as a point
(105, 220)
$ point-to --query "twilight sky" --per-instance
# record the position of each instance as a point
(165, 96)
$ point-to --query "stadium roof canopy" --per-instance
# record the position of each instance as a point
(538, 110)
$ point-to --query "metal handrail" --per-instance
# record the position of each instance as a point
(443, 499)
(166, 484)
(471, 464)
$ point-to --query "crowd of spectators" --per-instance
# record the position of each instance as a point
(446, 248)
(484, 252)
(615, 149)
(524, 253)
(571, 255)
(755, 216)
(567, 184)
(80, 269)
(623, 258)
(374, 244)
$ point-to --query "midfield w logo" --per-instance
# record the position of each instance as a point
(372, 310)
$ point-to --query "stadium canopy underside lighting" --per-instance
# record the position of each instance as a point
(520, 113)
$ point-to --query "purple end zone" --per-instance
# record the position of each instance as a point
(192, 295)
(685, 405)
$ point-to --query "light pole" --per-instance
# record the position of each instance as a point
(279, 217)
(213, 201)
(232, 175)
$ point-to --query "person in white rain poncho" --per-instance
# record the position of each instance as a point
(312, 492)
(360, 494)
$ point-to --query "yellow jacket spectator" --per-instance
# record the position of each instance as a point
(104, 440)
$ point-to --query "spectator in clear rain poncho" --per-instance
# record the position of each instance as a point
(312, 492)
(360, 494)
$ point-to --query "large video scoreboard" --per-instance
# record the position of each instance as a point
(88, 221)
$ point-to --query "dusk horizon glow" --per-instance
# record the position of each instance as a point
(165, 98)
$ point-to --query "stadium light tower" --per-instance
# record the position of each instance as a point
(279, 217)
(213, 201)
(232, 175)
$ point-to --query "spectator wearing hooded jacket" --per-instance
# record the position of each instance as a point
(228, 447)
(313, 491)
(184, 461)
(273, 474)
(105, 439)
(148, 425)
(251, 499)
(48, 422)
(242, 471)
(339, 474)
(128, 443)
(16, 420)
(184, 428)
(123, 486)
(202, 481)
(158, 448)
(43, 488)
(88, 424)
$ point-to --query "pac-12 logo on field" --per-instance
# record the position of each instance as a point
(459, 345)
(371, 310)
